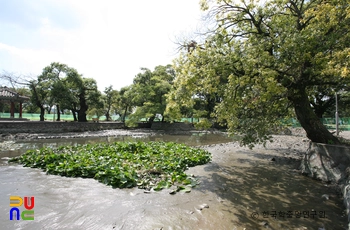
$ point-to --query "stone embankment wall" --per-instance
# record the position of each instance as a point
(177, 126)
(330, 163)
(56, 127)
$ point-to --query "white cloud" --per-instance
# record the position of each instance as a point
(108, 40)
(27, 61)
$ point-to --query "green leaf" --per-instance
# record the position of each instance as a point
(156, 165)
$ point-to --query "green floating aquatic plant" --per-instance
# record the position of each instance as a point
(147, 165)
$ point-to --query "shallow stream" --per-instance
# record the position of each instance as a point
(12, 148)
(240, 189)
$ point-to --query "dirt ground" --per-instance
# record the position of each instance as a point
(240, 189)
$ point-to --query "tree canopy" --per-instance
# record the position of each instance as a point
(64, 87)
(264, 59)
(148, 92)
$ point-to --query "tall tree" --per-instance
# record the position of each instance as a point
(274, 54)
(193, 94)
(124, 102)
(84, 92)
(52, 76)
(64, 87)
(97, 105)
(39, 96)
(150, 89)
(110, 98)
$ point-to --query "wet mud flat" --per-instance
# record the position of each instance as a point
(240, 189)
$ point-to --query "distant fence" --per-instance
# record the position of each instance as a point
(330, 123)
(69, 117)
(344, 122)
(50, 117)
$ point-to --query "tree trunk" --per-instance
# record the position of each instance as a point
(107, 116)
(42, 113)
(319, 113)
(58, 113)
(83, 108)
(49, 109)
(321, 107)
(74, 114)
(312, 125)
(82, 115)
(151, 119)
(123, 118)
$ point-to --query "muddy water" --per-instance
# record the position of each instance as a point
(11, 148)
(240, 189)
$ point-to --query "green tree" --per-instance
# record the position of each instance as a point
(83, 91)
(149, 92)
(273, 55)
(124, 102)
(64, 87)
(39, 96)
(110, 99)
(322, 100)
(199, 86)
(53, 76)
(98, 105)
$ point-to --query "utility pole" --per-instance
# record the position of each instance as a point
(336, 114)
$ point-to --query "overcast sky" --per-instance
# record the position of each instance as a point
(108, 40)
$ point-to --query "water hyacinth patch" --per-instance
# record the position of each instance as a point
(147, 165)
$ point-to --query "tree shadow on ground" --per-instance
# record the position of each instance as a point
(271, 194)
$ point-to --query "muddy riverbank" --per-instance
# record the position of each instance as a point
(102, 133)
(240, 189)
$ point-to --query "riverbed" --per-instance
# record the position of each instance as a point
(239, 189)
